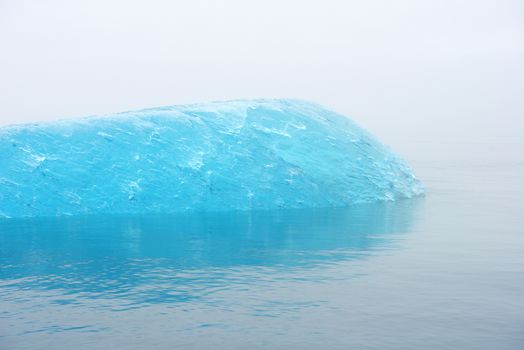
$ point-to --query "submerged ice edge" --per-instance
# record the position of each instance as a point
(235, 155)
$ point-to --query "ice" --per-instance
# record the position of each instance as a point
(233, 155)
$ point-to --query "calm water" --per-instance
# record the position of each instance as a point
(442, 272)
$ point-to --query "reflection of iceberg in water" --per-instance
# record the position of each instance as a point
(169, 258)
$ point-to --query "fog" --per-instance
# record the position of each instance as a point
(402, 69)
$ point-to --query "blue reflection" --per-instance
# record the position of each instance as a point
(156, 259)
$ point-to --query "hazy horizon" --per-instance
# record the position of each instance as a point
(408, 69)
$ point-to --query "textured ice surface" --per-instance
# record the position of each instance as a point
(235, 155)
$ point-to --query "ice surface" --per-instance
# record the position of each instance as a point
(234, 155)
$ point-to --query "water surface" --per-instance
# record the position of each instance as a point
(441, 272)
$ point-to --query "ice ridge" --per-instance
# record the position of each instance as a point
(233, 155)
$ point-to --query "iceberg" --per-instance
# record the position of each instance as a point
(219, 156)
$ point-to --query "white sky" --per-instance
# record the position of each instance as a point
(402, 69)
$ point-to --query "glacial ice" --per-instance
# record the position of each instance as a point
(233, 155)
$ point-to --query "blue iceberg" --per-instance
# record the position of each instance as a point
(234, 155)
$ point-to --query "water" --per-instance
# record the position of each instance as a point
(441, 272)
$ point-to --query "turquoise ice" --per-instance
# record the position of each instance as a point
(233, 155)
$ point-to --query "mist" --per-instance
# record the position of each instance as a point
(403, 69)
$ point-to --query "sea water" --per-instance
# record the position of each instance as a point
(441, 272)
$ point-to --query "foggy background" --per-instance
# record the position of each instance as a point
(417, 70)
